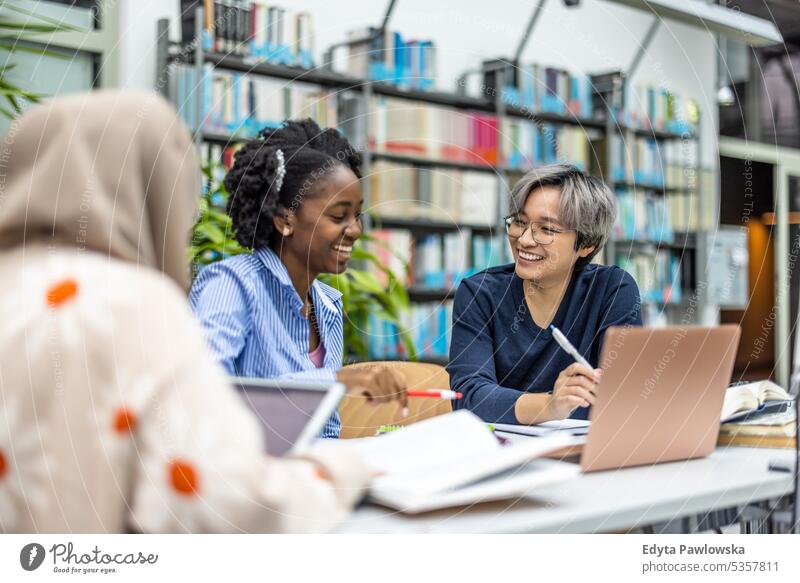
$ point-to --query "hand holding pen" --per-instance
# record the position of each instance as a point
(575, 386)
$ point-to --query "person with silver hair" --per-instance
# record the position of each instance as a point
(503, 356)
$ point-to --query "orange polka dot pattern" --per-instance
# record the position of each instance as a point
(62, 292)
(124, 420)
(183, 477)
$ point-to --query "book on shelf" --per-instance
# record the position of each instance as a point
(441, 261)
(391, 58)
(251, 29)
(433, 132)
(460, 197)
(219, 159)
(648, 165)
(241, 104)
(541, 89)
(680, 162)
(658, 275)
(646, 107)
(436, 262)
(393, 247)
(636, 160)
(428, 323)
(221, 156)
(432, 261)
(529, 145)
(649, 107)
(643, 216)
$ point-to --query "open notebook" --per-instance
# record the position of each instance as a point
(455, 459)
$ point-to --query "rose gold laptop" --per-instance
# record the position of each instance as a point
(660, 395)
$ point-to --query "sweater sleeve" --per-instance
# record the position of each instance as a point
(471, 367)
(201, 463)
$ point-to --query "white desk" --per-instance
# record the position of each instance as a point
(606, 501)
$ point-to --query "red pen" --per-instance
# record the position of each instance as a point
(436, 393)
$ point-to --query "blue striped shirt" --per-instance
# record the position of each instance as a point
(254, 324)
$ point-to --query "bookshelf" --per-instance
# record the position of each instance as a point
(682, 249)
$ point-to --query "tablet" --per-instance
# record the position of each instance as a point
(292, 413)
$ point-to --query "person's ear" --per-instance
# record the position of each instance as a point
(585, 251)
(284, 222)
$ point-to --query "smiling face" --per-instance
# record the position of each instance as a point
(551, 263)
(327, 224)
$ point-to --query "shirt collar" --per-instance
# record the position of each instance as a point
(325, 295)
(274, 265)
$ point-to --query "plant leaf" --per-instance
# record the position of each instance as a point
(57, 24)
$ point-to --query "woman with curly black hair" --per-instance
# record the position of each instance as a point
(295, 200)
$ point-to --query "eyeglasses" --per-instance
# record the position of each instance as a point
(515, 227)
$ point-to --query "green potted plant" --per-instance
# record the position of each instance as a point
(13, 35)
(362, 292)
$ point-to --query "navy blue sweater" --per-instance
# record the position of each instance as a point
(497, 352)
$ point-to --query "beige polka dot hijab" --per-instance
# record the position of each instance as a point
(109, 171)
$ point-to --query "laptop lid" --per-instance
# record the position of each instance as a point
(660, 395)
(292, 413)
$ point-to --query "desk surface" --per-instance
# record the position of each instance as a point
(605, 501)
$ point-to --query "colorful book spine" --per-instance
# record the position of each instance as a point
(390, 58)
(643, 217)
(656, 108)
(241, 104)
(657, 275)
(428, 325)
(463, 198)
(255, 29)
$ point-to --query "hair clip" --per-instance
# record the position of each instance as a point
(280, 173)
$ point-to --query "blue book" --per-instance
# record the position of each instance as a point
(427, 64)
(440, 342)
(399, 76)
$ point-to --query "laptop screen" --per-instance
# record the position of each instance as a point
(283, 411)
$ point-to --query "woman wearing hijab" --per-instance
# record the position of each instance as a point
(112, 416)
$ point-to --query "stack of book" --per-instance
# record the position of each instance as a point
(252, 29)
(459, 197)
(388, 57)
(237, 103)
(759, 414)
